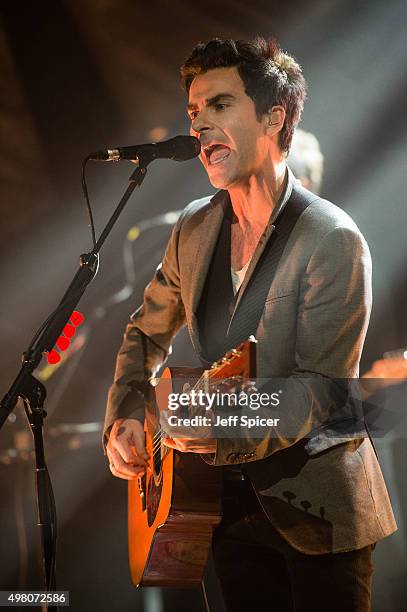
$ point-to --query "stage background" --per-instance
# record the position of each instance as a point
(81, 75)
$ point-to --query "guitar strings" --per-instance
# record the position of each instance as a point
(207, 377)
(157, 443)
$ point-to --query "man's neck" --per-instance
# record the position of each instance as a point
(252, 207)
(254, 202)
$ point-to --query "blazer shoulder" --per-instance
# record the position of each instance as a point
(196, 207)
(322, 217)
(197, 212)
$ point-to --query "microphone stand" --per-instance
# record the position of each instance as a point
(33, 392)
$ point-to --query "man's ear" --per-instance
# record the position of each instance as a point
(276, 117)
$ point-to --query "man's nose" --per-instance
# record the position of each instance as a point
(200, 125)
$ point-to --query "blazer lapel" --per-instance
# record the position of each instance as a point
(202, 256)
(253, 262)
(290, 180)
(209, 231)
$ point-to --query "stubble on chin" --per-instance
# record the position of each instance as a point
(219, 182)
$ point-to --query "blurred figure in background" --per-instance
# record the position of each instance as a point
(306, 160)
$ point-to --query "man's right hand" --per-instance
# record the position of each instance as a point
(126, 449)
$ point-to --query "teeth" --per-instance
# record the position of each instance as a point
(218, 155)
(218, 161)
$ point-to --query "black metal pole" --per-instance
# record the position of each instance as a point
(33, 392)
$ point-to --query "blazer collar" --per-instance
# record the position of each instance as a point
(210, 228)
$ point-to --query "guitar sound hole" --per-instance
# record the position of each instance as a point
(153, 499)
(154, 487)
(157, 460)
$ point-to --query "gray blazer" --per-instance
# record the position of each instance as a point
(322, 492)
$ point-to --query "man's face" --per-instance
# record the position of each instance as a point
(234, 143)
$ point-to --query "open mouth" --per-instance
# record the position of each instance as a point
(216, 153)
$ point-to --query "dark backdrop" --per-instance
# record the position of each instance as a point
(80, 75)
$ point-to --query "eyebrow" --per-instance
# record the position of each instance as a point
(214, 100)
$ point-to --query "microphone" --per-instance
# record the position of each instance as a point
(179, 148)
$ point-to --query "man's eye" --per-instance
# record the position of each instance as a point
(220, 106)
(193, 115)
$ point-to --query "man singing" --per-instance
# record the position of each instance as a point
(301, 512)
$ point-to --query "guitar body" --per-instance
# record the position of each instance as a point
(174, 508)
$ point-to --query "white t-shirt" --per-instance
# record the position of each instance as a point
(238, 277)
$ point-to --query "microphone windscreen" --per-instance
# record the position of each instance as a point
(180, 148)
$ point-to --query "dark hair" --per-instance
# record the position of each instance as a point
(270, 76)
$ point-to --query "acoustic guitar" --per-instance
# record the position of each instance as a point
(174, 508)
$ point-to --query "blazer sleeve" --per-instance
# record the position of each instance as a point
(332, 317)
(147, 339)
